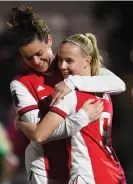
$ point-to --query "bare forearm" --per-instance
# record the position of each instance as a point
(47, 126)
(28, 129)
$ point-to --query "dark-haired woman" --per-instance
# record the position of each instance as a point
(90, 149)
(47, 163)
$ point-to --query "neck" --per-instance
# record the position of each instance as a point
(87, 71)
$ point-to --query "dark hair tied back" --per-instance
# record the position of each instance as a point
(26, 25)
(21, 14)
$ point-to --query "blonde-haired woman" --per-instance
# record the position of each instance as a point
(91, 156)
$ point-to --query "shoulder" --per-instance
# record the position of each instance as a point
(26, 79)
(68, 103)
(22, 81)
(25, 76)
(70, 96)
(66, 106)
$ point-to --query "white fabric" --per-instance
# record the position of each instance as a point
(37, 179)
(68, 103)
(72, 124)
(24, 97)
(106, 82)
(34, 159)
(78, 180)
(80, 158)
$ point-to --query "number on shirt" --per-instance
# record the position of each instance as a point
(105, 126)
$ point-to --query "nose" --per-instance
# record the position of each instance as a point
(36, 60)
(62, 65)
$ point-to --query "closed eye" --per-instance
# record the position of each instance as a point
(40, 53)
(69, 60)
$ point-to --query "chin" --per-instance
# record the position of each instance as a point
(43, 69)
(65, 76)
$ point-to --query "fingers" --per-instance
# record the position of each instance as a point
(61, 89)
(100, 109)
(98, 116)
(98, 103)
(16, 120)
(56, 97)
(89, 101)
(99, 106)
(93, 100)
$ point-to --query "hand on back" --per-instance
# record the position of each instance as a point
(93, 110)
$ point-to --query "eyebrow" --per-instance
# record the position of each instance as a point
(65, 58)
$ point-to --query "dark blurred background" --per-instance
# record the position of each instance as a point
(112, 24)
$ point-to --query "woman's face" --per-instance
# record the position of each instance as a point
(37, 55)
(71, 60)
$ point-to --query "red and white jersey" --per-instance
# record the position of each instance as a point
(50, 159)
(90, 151)
(27, 91)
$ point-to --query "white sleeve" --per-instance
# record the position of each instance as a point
(70, 126)
(66, 106)
(26, 105)
(106, 82)
(73, 122)
(31, 116)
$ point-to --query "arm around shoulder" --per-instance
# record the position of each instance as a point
(105, 82)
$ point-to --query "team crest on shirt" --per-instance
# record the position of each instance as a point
(15, 98)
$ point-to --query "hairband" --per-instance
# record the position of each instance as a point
(79, 46)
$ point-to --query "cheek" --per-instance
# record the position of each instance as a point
(77, 68)
(30, 64)
(47, 52)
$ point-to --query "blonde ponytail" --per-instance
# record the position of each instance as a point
(95, 62)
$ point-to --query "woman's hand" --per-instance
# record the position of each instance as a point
(93, 110)
(60, 90)
(27, 128)
(17, 121)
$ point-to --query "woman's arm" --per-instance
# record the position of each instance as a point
(25, 104)
(53, 126)
(42, 131)
(105, 82)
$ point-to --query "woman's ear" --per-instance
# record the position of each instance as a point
(88, 59)
(50, 40)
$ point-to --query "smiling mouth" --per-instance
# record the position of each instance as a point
(40, 66)
(66, 74)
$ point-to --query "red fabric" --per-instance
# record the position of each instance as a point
(55, 152)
